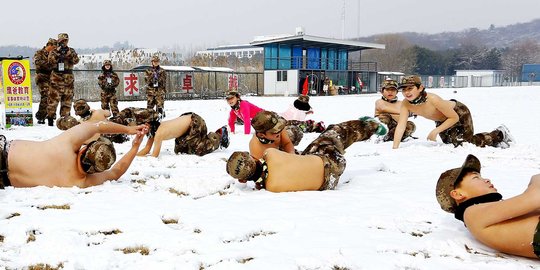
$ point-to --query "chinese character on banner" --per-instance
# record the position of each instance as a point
(131, 84)
(15, 75)
(187, 82)
(233, 82)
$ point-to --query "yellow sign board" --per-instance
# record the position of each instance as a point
(17, 92)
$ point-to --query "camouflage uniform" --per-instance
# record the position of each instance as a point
(197, 140)
(331, 145)
(62, 60)
(43, 78)
(463, 130)
(132, 116)
(108, 81)
(389, 121)
(156, 80)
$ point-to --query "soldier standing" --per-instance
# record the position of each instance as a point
(108, 81)
(43, 77)
(62, 59)
(156, 78)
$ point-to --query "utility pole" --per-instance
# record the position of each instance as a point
(358, 22)
(343, 21)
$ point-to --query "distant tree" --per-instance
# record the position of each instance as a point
(392, 58)
(522, 52)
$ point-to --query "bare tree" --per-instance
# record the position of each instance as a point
(522, 52)
(393, 57)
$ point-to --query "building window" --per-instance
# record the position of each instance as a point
(281, 75)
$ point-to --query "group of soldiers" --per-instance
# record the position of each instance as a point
(54, 78)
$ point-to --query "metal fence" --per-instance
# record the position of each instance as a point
(205, 85)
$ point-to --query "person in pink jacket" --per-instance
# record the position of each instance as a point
(241, 109)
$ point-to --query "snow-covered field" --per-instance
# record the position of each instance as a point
(185, 212)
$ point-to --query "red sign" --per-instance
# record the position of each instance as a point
(187, 82)
(233, 82)
(131, 84)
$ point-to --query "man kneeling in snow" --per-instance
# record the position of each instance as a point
(65, 159)
(317, 168)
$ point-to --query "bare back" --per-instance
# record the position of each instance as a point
(290, 172)
(49, 163)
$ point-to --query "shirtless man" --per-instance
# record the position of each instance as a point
(270, 132)
(452, 118)
(387, 110)
(511, 226)
(67, 162)
(318, 168)
(190, 134)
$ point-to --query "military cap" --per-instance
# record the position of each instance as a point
(412, 80)
(66, 122)
(62, 36)
(52, 41)
(241, 165)
(389, 83)
(268, 121)
(99, 156)
(81, 107)
(449, 179)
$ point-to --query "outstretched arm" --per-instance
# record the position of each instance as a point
(120, 167)
(400, 128)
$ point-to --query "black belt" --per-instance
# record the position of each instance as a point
(67, 71)
(43, 71)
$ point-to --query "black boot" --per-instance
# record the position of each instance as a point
(50, 121)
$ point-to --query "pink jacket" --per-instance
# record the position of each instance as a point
(293, 113)
(246, 113)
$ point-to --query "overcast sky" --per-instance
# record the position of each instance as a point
(206, 23)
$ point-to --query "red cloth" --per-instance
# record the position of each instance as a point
(305, 87)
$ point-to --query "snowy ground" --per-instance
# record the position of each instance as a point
(185, 212)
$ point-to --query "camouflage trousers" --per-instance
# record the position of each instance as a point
(109, 98)
(155, 97)
(60, 91)
(463, 130)
(43, 83)
(331, 145)
(196, 140)
(389, 121)
(134, 116)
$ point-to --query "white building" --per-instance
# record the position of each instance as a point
(479, 78)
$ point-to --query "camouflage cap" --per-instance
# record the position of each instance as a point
(449, 179)
(232, 94)
(411, 80)
(304, 99)
(107, 62)
(155, 58)
(62, 36)
(302, 103)
(99, 156)
(268, 121)
(389, 83)
(81, 107)
(66, 122)
(52, 42)
(241, 165)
